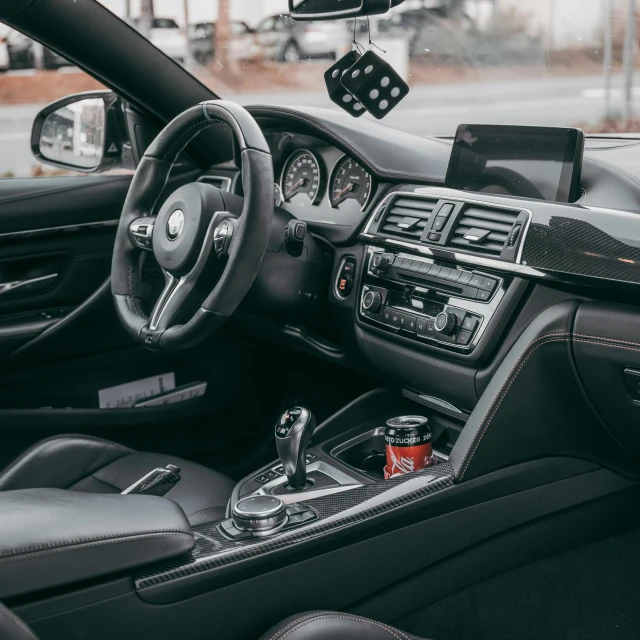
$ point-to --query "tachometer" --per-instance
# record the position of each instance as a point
(301, 176)
(350, 180)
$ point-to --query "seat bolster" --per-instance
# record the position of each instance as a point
(333, 625)
(198, 492)
(59, 462)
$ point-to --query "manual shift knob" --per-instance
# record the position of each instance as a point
(293, 431)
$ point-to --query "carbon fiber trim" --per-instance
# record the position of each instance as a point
(576, 246)
(213, 551)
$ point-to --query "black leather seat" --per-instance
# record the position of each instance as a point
(333, 625)
(93, 465)
(315, 625)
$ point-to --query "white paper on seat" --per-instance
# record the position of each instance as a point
(126, 395)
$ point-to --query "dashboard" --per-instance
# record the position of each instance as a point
(428, 283)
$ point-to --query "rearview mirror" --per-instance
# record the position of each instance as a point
(80, 132)
(338, 9)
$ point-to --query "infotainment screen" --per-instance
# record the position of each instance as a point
(530, 162)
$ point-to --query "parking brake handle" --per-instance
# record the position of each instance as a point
(157, 482)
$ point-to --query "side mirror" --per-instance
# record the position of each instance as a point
(82, 132)
(338, 9)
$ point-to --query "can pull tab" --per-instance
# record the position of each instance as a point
(157, 482)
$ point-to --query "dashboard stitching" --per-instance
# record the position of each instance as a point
(352, 149)
(608, 344)
(502, 393)
(627, 175)
(581, 335)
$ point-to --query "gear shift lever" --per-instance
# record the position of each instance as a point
(293, 431)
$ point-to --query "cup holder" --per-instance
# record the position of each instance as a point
(365, 452)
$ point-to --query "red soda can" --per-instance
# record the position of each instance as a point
(408, 445)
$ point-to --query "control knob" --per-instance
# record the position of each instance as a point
(372, 301)
(260, 515)
(380, 262)
(446, 323)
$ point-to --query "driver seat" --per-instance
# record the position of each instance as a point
(92, 465)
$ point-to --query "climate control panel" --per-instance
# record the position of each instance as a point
(427, 300)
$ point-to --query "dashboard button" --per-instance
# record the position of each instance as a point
(444, 273)
(392, 318)
(386, 315)
(262, 479)
(489, 284)
(408, 322)
(421, 326)
(430, 327)
(464, 337)
(483, 294)
(433, 236)
(465, 277)
(438, 223)
(424, 267)
(476, 280)
(445, 209)
(344, 284)
(469, 323)
(435, 270)
(454, 275)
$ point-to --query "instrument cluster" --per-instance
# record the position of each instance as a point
(321, 184)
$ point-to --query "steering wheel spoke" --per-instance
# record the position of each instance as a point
(141, 233)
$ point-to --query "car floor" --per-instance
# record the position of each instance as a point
(591, 592)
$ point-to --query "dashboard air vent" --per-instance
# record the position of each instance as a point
(407, 217)
(482, 230)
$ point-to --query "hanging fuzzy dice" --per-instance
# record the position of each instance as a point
(337, 92)
(375, 84)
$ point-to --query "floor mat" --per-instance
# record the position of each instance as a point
(592, 592)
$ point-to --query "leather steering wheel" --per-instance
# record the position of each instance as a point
(201, 248)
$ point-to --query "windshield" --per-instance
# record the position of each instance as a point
(551, 63)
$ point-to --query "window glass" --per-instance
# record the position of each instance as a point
(550, 62)
(31, 76)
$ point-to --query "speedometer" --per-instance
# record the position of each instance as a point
(301, 176)
(350, 180)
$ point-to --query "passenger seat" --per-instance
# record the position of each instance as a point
(314, 625)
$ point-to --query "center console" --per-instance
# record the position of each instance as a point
(420, 299)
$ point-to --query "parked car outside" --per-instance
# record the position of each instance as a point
(285, 40)
(4, 55)
(202, 41)
(24, 53)
(167, 36)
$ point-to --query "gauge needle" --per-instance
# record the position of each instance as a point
(295, 186)
(338, 197)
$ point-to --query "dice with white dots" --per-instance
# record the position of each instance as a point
(375, 83)
(337, 92)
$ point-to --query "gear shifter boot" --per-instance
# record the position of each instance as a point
(293, 431)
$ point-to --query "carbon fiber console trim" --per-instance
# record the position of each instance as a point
(213, 551)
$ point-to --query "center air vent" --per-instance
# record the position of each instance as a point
(407, 217)
(482, 230)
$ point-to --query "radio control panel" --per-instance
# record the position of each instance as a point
(426, 300)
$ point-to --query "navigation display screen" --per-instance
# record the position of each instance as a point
(543, 163)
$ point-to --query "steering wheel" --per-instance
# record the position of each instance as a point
(201, 248)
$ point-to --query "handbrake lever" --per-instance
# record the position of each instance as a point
(157, 482)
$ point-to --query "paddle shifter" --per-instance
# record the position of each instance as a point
(293, 431)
